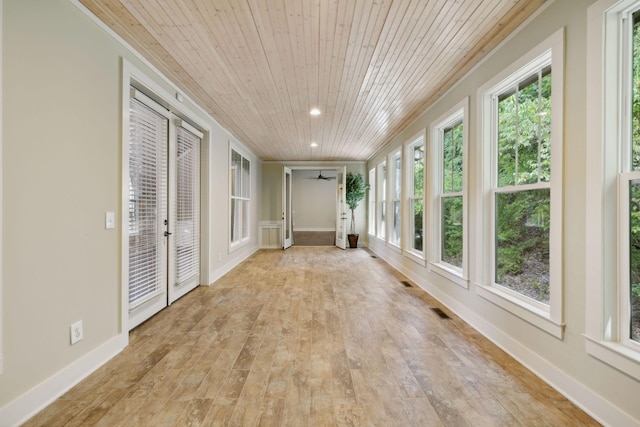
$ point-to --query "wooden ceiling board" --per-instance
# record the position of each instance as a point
(259, 66)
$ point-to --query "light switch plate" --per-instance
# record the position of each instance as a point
(110, 220)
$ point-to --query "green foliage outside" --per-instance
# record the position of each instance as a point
(523, 215)
(634, 255)
(634, 190)
(418, 190)
(451, 201)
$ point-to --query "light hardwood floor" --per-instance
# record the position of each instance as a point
(310, 337)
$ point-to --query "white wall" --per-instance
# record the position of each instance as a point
(62, 78)
(313, 200)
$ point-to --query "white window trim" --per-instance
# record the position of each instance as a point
(459, 276)
(547, 318)
(391, 186)
(408, 250)
(604, 213)
(372, 202)
(1, 187)
(233, 246)
(381, 232)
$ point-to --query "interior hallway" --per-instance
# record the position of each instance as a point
(310, 336)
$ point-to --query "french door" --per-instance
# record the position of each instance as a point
(164, 208)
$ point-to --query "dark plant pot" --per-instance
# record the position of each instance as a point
(353, 240)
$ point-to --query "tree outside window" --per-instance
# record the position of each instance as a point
(451, 212)
(522, 195)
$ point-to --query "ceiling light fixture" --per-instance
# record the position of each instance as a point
(314, 112)
(314, 145)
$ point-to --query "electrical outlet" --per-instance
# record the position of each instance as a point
(76, 332)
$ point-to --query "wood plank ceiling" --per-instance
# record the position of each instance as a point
(259, 66)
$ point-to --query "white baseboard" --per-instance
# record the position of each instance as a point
(602, 410)
(239, 256)
(33, 401)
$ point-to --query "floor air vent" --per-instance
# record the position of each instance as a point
(406, 284)
(440, 313)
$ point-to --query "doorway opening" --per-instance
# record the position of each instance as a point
(313, 206)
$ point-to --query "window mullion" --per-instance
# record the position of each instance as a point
(516, 178)
(539, 124)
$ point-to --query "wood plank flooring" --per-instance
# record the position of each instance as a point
(310, 336)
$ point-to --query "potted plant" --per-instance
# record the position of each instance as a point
(355, 192)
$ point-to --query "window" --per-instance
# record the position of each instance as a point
(522, 139)
(396, 198)
(522, 191)
(449, 195)
(240, 197)
(414, 188)
(372, 201)
(382, 200)
(612, 215)
(629, 181)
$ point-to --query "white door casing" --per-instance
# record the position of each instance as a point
(287, 229)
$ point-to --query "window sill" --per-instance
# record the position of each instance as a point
(450, 273)
(527, 312)
(616, 355)
(416, 257)
(239, 244)
(394, 247)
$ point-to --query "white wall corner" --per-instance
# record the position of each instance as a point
(238, 256)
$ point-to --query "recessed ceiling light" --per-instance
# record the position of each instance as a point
(314, 145)
(314, 112)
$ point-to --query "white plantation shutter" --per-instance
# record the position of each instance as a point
(148, 133)
(187, 207)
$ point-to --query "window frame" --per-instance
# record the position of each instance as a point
(381, 223)
(394, 197)
(458, 113)
(607, 261)
(372, 202)
(244, 198)
(549, 318)
(409, 179)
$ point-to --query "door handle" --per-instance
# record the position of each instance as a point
(166, 233)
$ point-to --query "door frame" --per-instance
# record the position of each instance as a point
(154, 87)
(286, 208)
(313, 166)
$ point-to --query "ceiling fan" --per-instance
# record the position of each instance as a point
(320, 176)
